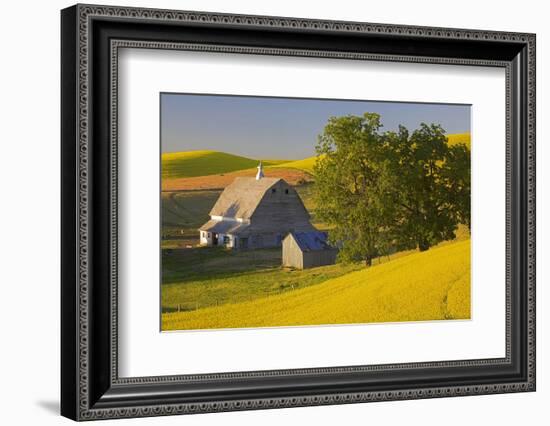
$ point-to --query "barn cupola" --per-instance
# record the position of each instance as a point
(260, 173)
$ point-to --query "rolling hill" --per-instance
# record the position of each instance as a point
(204, 163)
(430, 285)
(188, 164)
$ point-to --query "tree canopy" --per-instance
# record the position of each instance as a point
(384, 191)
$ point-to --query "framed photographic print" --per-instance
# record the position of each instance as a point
(263, 212)
(308, 229)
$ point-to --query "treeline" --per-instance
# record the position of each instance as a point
(386, 191)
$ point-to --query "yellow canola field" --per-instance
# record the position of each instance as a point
(430, 285)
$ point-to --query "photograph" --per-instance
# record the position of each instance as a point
(273, 208)
(280, 212)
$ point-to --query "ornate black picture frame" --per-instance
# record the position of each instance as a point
(91, 387)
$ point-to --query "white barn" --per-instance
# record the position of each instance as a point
(255, 213)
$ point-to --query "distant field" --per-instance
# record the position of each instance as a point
(430, 285)
(220, 181)
(464, 138)
(204, 163)
(213, 169)
(306, 164)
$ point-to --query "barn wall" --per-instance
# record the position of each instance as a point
(231, 243)
(266, 240)
(313, 259)
(281, 210)
(295, 258)
(204, 239)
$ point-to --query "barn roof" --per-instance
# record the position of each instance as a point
(241, 198)
(311, 240)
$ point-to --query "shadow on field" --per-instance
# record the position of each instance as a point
(208, 263)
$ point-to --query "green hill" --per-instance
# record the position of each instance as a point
(430, 285)
(204, 163)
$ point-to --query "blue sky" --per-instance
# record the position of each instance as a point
(281, 128)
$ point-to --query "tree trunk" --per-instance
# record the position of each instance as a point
(368, 261)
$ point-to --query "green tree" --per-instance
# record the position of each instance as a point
(433, 189)
(352, 186)
(457, 178)
(386, 191)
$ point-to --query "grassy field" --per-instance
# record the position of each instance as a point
(210, 276)
(182, 214)
(431, 285)
(203, 163)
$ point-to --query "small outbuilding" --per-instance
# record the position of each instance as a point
(302, 250)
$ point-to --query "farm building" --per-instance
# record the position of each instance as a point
(304, 250)
(255, 213)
